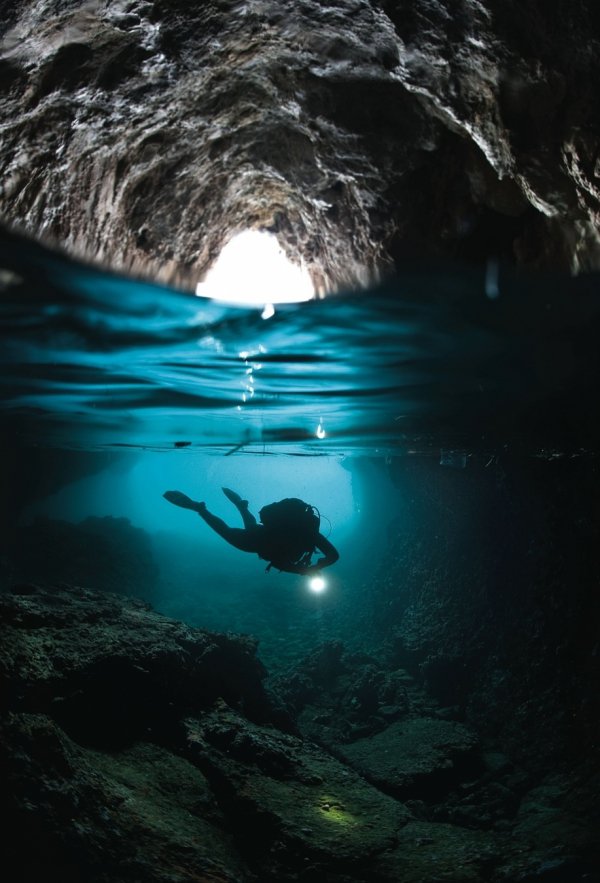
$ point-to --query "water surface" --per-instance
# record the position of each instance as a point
(438, 358)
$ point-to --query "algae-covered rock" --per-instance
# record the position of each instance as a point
(430, 853)
(139, 814)
(134, 748)
(418, 756)
(110, 669)
(293, 798)
(559, 820)
(338, 696)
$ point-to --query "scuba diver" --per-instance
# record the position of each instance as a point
(286, 538)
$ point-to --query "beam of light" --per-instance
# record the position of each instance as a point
(253, 270)
(317, 584)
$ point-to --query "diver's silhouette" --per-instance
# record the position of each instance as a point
(287, 537)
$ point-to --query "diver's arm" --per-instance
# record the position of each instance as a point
(292, 568)
(329, 551)
(331, 556)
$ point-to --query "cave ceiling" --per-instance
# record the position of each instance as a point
(144, 134)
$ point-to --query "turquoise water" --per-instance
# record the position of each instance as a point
(441, 357)
(115, 390)
(445, 425)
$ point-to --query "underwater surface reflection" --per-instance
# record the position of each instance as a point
(436, 358)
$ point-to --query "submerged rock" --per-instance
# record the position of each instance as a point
(418, 756)
(140, 748)
(110, 670)
(137, 748)
(295, 803)
(433, 853)
(137, 814)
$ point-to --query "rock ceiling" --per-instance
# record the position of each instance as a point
(144, 133)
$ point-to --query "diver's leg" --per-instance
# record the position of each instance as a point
(241, 505)
(235, 536)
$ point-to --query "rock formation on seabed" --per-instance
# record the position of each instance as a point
(137, 748)
(144, 133)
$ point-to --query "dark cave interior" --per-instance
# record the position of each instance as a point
(440, 722)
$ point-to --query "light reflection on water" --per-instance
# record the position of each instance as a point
(427, 361)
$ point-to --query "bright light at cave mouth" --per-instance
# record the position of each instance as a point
(253, 270)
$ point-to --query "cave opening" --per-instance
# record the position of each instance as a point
(253, 270)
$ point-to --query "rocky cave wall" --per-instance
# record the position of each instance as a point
(143, 134)
(487, 594)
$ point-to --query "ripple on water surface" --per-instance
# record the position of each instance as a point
(434, 358)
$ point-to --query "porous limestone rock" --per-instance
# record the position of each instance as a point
(295, 803)
(145, 133)
(137, 814)
(110, 670)
(134, 747)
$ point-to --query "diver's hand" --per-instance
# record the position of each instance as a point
(313, 570)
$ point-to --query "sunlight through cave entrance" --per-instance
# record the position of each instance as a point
(253, 270)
